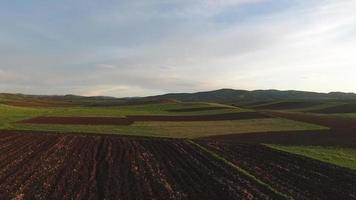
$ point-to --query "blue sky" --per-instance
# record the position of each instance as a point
(137, 48)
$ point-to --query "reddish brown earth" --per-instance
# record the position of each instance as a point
(80, 120)
(44, 166)
(297, 176)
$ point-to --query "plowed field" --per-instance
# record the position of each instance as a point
(45, 166)
(132, 118)
(297, 176)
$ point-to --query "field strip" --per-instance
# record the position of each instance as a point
(129, 119)
(343, 157)
(241, 170)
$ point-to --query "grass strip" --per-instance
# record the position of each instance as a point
(342, 157)
(282, 195)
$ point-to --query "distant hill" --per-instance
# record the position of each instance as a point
(73, 100)
(227, 96)
(244, 96)
(56, 100)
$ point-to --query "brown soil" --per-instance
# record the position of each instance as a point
(297, 176)
(132, 118)
(43, 166)
(79, 120)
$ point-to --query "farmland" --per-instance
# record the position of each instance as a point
(156, 120)
(173, 150)
(296, 176)
(103, 167)
(178, 100)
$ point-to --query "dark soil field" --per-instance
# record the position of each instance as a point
(345, 108)
(132, 118)
(309, 138)
(45, 166)
(297, 176)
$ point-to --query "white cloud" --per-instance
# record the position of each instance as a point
(148, 47)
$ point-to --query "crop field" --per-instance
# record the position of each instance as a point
(173, 150)
(299, 177)
(35, 166)
(156, 120)
(178, 100)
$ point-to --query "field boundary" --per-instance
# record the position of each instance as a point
(241, 170)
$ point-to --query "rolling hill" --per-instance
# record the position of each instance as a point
(244, 96)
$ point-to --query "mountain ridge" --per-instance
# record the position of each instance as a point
(225, 95)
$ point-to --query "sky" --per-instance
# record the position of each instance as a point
(146, 47)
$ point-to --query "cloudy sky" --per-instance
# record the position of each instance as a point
(145, 47)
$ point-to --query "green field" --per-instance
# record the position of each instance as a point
(344, 157)
(345, 115)
(11, 114)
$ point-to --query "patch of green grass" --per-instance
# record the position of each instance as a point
(345, 115)
(145, 109)
(8, 112)
(344, 157)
